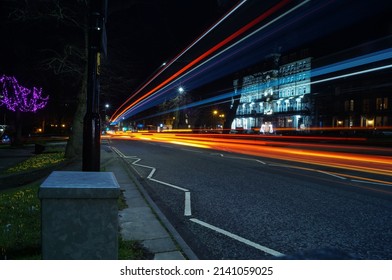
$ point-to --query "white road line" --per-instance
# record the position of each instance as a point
(239, 238)
(368, 182)
(193, 151)
(187, 209)
(279, 165)
(169, 185)
(117, 151)
(137, 171)
(149, 177)
(187, 202)
(242, 158)
(308, 169)
(153, 169)
(333, 175)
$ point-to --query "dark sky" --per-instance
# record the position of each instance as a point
(142, 34)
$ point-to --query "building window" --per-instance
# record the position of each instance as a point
(366, 106)
(381, 121)
(382, 103)
(349, 105)
(299, 104)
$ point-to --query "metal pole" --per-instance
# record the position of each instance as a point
(92, 124)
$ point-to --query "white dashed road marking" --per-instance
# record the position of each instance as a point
(239, 238)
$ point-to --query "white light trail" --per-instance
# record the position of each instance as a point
(172, 84)
(168, 64)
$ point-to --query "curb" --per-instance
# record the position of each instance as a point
(19, 179)
(171, 231)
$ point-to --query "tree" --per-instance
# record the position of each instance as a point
(232, 106)
(60, 29)
(19, 99)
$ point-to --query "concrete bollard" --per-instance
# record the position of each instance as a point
(79, 216)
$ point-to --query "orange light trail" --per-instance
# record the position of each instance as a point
(310, 153)
(166, 65)
(233, 36)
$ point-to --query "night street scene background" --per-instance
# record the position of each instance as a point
(272, 118)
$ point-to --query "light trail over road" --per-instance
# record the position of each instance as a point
(122, 112)
(374, 160)
(233, 197)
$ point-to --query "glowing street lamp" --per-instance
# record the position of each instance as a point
(106, 116)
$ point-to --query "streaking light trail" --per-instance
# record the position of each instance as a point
(167, 65)
(343, 157)
(167, 88)
(215, 59)
(120, 112)
(336, 67)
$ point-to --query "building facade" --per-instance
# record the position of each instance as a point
(283, 97)
(275, 98)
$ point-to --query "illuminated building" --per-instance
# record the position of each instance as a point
(275, 96)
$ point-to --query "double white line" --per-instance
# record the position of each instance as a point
(187, 199)
(188, 210)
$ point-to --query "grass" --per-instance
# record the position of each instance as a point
(132, 250)
(20, 217)
(20, 224)
(49, 158)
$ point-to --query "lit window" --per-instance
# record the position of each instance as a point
(382, 103)
(351, 105)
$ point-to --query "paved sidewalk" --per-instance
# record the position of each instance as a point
(142, 221)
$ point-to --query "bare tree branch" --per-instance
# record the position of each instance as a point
(70, 61)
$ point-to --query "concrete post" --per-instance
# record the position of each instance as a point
(79, 216)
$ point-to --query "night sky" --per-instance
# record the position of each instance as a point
(144, 34)
(141, 36)
(148, 33)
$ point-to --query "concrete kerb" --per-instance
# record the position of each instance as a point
(142, 220)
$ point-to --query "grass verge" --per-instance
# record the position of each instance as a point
(20, 220)
(43, 160)
(20, 223)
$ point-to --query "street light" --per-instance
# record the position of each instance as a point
(214, 113)
(106, 107)
(177, 100)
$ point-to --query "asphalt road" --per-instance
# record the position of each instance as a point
(233, 206)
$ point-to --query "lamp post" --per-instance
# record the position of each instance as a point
(176, 118)
(92, 119)
(105, 116)
(214, 113)
(106, 108)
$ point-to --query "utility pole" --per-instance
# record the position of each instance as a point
(92, 121)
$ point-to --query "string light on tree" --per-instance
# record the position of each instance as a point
(19, 98)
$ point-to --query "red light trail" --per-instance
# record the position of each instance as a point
(373, 160)
(120, 111)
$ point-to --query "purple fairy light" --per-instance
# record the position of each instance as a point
(19, 98)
